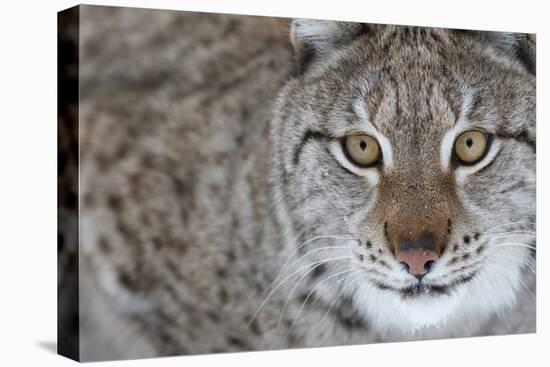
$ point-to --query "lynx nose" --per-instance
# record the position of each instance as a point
(419, 254)
(417, 260)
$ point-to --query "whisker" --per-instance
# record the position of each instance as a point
(510, 233)
(284, 267)
(514, 223)
(309, 253)
(518, 244)
(519, 260)
(290, 295)
(305, 273)
(528, 290)
(313, 291)
(337, 236)
(346, 287)
(467, 268)
(292, 274)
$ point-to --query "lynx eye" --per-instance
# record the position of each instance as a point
(471, 146)
(363, 150)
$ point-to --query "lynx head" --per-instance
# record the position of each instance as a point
(404, 168)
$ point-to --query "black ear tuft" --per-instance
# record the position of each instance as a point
(314, 39)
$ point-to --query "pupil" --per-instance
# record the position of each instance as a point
(363, 145)
(469, 142)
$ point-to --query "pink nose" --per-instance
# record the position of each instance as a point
(417, 260)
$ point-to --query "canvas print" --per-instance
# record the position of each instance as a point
(241, 183)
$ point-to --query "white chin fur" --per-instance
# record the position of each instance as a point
(471, 304)
(387, 311)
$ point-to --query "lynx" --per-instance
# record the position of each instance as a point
(252, 183)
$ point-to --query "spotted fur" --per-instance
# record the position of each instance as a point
(211, 179)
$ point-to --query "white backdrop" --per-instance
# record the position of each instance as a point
(28, 182)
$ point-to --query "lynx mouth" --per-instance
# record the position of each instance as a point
(421, 289)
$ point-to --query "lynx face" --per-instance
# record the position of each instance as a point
(404, 162)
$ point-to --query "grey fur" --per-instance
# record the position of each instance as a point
(198, 179)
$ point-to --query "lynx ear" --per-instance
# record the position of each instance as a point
(517, 46)
(314, 39)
